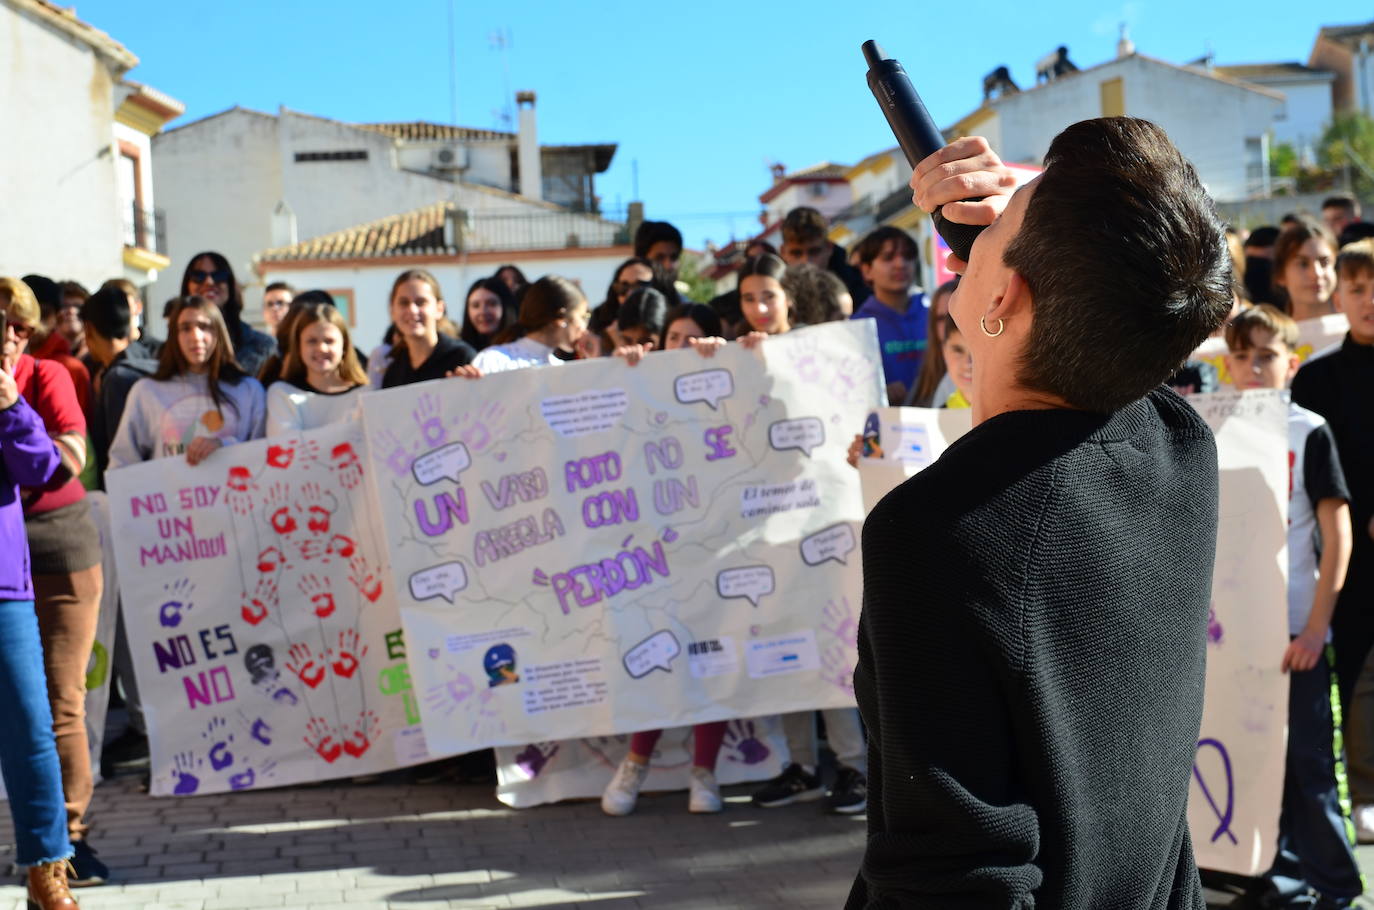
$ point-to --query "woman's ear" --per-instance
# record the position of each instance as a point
(441, 308)
(1015, 298)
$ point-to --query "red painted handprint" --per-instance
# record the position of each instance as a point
(256, 607)
(316, 589)
(363, 733)
(345, 658)
(347, 465)
(271, 561)
(364, 579)
(240, 487)
(277, 505)
(301, 661)
(280, 455)
(341, 546)
(320, 737)
(318, 507)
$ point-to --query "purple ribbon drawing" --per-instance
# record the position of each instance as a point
(1223, 817)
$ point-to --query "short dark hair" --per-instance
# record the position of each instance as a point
(107, 312)
(1139, 307)
(1355, 231)
(804, 223)
(871, 247)
(1341, 201)
(1262, 236)
(651, 232)
(72, 288)
(815, 293)
(643, 307)
(1261, 316)
(46, 292)
(279, 286)
(547, 300)
(707, 319)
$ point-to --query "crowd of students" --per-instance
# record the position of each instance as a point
(84, 390)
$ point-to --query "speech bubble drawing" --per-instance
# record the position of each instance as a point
(444, 462)
(444, 580)
(804, 433)
(709, 386)
(653, 653)
(749, 582)
(835, 542)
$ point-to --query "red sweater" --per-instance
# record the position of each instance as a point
(47, 387)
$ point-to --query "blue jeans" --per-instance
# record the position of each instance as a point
(28, 750)
(1316, 836)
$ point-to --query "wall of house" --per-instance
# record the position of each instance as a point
(1208, 119)
(1304, 115)
(57, 170)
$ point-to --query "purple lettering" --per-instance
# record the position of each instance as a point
(672, 495)
(176, 655)
(150, 504)
(446, 508)
(611, 507)
(581, 473)
(718, 441)
(667, 452)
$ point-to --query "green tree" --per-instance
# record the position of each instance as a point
(1348, 144)
(1283, 160)
(691, 271)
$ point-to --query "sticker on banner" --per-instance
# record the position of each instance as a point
(749, 582)
(443, 581)
(709, 386)
(586, 412)
(793, 653)
(714, 657)
(445, 462)
(656, 652)
(804, 433)
(835, 542)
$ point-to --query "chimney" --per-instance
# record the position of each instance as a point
(531, 169)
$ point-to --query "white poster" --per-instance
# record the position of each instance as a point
(260, 616)
(1237, 786)
(595, 549)
(1237, 782)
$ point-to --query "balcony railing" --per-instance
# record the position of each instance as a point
(551, 231)
(145, 229)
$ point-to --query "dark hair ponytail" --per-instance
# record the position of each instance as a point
(546, 301)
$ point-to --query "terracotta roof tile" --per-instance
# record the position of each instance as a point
(1246, 71)
(421, 131)
(417, 231)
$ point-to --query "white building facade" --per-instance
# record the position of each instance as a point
(80, 156)
(1220, 124)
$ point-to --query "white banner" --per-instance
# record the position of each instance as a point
(597, 549)
(263, 627)
(1237, 783)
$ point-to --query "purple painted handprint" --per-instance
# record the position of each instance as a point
(183, 763)
(1215, 632)
(742, 745)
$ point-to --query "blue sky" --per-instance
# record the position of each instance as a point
(703, 96)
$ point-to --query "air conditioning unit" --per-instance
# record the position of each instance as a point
(450, 158)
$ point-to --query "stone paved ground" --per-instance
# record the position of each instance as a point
(396, 845)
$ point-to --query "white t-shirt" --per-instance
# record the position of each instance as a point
(377, 362)
(1314, 474)
(162, 416)
(291, 408)
(524, 352)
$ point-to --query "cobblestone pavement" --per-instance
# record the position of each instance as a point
(347, 847)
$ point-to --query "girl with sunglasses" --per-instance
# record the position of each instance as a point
(210, 277)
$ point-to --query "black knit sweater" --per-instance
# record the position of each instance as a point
(1031, 662)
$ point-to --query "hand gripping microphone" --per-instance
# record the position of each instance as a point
(916, 133)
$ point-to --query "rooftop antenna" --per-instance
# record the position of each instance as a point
(452, 66)
(501, 41)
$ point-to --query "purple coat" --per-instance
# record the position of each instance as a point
(27, 458)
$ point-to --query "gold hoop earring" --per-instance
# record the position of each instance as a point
(1001, 327)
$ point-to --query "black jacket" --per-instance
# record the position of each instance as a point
(112, 392)
(449, 353)
(1031, 663)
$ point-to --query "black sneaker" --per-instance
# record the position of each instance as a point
(793, 785)
(86, 871)
(849, 794)
(127, 753)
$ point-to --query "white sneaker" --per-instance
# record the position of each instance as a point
(1364, 824)
(623, 791)
(704, 795)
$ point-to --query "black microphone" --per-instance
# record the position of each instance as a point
(916, 133)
